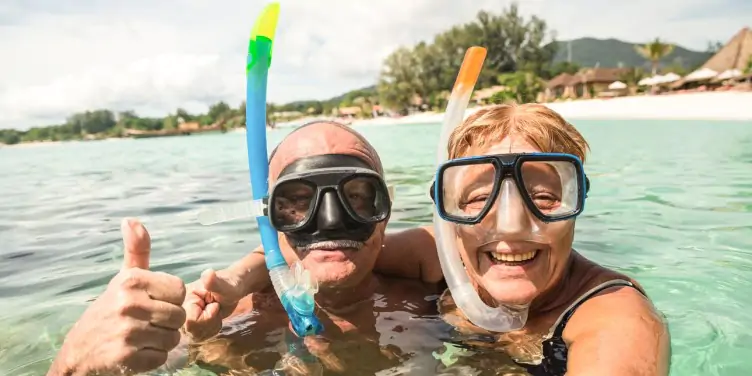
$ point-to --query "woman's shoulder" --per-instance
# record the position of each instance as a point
(619, 323)
(608, 298)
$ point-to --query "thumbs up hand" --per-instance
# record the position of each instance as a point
(132, 326)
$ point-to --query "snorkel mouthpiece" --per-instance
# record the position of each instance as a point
(294, 289)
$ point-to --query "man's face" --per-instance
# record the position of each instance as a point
(337, 250)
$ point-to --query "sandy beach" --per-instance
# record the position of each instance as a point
(729, 105)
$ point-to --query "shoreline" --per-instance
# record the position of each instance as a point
(705, 106)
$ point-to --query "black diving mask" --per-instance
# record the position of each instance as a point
(328, 197)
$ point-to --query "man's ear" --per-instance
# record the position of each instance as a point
(381, 228)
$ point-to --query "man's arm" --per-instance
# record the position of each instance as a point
(410, 254)
(618, 333)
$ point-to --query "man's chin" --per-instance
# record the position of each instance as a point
(331, 271)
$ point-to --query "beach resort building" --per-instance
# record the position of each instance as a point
(586, 83)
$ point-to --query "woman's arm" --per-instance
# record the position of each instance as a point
(406, 254)
(252, 272)
(410, 254)
(618, 333)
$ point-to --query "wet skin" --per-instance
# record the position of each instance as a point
(398, 319)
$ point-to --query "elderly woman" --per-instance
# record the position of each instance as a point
(512, 188)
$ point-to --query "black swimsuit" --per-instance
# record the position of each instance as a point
(554, 362)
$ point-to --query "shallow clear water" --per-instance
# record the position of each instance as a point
(670, 204)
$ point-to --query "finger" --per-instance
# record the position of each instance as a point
(165, 287)
(145, 360)
(194, 305)
(148, 336)
(210, 324)
(224, 289)
(207, 323)
(137, 244)
(211, 312)
(166, 315)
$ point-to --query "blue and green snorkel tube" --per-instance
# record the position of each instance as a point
(295, 289)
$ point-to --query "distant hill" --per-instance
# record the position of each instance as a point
(612, 53)
(352, 94)
(327, 104)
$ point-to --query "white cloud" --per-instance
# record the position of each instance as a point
(156, 55)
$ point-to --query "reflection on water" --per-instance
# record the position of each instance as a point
(670, 204)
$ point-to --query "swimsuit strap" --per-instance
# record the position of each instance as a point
(554, 362)
(561, 322)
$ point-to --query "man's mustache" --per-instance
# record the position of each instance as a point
(328, 245)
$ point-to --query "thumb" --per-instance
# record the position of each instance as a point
(137, 244)
(223, 288)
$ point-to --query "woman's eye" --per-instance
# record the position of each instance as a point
(478, 198)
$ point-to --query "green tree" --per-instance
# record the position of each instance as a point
(9, 136)
(399, 80)
(631, 77)
(513, 44)
(92, 122)
(183, 114)
(522, 87)
(217, 112)
(556, 69)
(654, 52)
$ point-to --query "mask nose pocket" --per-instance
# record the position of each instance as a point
(330, 214)
(511, 213)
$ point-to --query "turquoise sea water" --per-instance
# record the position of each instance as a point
(670, 204)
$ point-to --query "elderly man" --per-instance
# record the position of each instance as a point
(331, 207)
(333, 222)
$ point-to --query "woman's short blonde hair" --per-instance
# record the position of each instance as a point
(538, 124)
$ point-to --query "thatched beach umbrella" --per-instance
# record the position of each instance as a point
(729, 74)
(702, 74)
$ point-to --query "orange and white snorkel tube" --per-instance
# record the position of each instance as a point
(498, 319)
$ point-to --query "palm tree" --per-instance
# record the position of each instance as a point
(654, 52)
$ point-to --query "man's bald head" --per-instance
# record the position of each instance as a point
(318, 138)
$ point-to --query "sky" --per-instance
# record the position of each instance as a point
(59, 57)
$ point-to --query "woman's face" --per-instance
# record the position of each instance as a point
(510, 253)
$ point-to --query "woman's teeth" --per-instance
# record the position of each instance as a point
(519, 257)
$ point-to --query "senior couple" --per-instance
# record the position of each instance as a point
(510, 191)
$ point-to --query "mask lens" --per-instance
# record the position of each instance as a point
(366, 197)
(553, 186)
(293, 202)
(467, 189)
